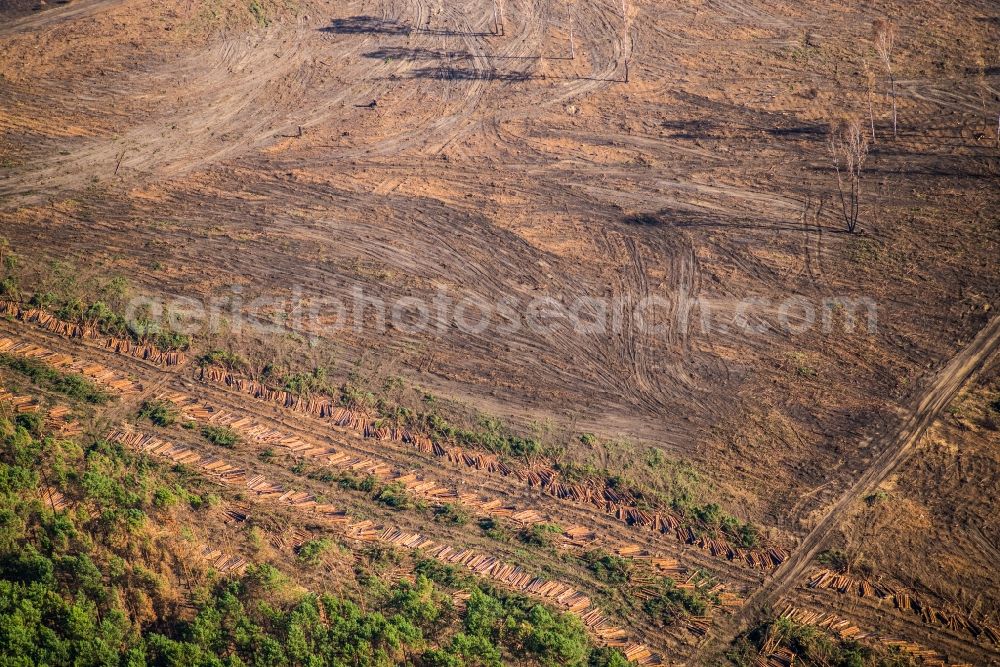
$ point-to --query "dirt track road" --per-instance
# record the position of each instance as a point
(922, 413)
(49, 17)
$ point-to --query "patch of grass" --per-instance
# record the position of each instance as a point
(257, 11)
(161, 413)
(864, 251)
(802, 367)
(69, 384)
(607, 567)
(311, 552)
(224, 358)
(220, 435)
(540, 535)
(451, 513)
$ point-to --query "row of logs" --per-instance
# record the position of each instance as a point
(615, 502)
(52, 324)
(416, 484)
(562, 595)
(847, 630)
(903, 601)
(97, 372)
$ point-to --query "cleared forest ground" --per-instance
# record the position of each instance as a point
(294, 153)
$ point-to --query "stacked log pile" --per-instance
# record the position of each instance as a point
(615, 502)
(419, 485)
(54, 500)
(926, 656)
(849, 585)
(19, 404)
(847, 630)
(52, 324)
(223, 562)
(772, 654)
(515, 577)
(101, 374)
(826, 621)
(58, 419)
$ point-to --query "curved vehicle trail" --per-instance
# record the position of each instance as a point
(77, 10)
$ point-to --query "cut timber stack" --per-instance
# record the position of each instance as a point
(847, 630)
(58, 419)
(53, 499)
(223, 562)
(100, 374)
(515, 577)
(19, 404)
(52, 324)
(903, 601)
(842, 628)
(605, 497)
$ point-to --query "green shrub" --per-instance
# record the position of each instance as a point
(671, 603)
(220, 435)
(164, 498)
(161, 413)
(835, 559)
(311, 552)
(395, 495)
(540, 534)
(451, 513)
(607, 567)
(69, 384)
(493, 530)
(31, 422)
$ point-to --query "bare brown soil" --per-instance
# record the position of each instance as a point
(194, 145)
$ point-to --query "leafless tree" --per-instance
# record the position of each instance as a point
(884, 38)
(572, 44)
(848, 145)
(498, 17)
(870, 81)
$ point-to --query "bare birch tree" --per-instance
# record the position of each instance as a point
(870, 81)
(884, 38)
(848, 145)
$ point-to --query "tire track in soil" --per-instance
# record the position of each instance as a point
(923, 410)
(50, 17)
(241, 93)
